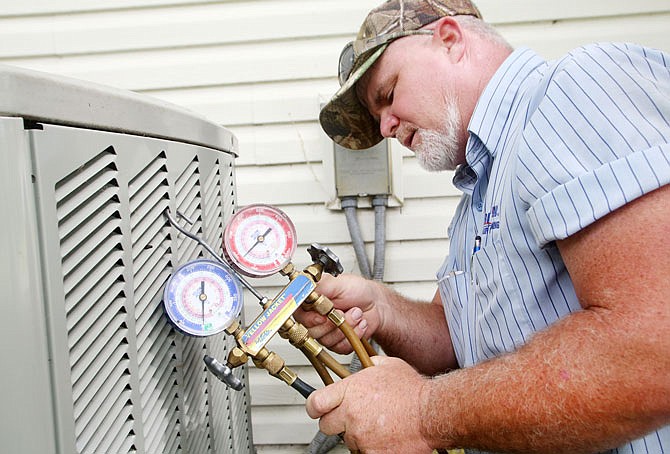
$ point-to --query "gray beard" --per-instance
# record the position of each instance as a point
(439, 150)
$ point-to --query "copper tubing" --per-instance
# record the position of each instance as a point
(319, 367)
(333, 365)
(356, 343)
(368, 347)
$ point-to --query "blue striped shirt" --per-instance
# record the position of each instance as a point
(553, 147)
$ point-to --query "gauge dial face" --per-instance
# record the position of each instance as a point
(202, 298)
(259, 240)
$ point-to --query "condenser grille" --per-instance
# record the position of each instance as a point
(189, 203)
(214, 209)
(123, 379)
(190, 350)
(196, 406)
(87, 209)
(148, 195)
(229, 189)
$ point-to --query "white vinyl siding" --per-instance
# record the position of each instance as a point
(262, 68)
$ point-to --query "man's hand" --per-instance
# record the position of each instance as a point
(376, 408)
(412, 330)
(357, 298)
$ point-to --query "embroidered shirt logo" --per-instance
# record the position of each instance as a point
(491, 220)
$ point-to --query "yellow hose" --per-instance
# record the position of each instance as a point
(356, 343)
(368, 348)
(319, 367)
(333, 365)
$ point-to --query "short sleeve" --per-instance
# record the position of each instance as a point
(598, 138)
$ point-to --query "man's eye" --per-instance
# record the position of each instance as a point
(389, 97)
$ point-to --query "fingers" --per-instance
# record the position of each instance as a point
(324, 404)
(309, 318)
(335, 341)
(332, 337)
(345, 291)
(325, 400)
(319, 327)
(363, 405)
(328, 285)
(358, 323)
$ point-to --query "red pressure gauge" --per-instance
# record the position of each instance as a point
(259, 240)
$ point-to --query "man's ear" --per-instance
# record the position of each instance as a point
(449, 34)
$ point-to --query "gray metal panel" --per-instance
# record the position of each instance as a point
(219, 190)
(25, 395)
(124, 380)
(66, 101)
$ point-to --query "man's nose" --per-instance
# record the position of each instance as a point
(388, 124)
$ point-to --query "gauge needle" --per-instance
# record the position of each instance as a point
(203, 298)
(259, 239)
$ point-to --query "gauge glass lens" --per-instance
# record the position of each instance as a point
(202, 298)
(259, 240)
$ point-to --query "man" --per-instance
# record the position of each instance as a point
(553, 305)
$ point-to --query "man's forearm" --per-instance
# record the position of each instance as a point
(417, 332)
(586, 384)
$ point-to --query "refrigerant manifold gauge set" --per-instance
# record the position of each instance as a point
(204, 297)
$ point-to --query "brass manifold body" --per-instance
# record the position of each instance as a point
(298, 336)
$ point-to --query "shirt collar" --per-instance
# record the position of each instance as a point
(491, 113)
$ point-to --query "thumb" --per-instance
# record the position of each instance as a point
(380, 360)
(325, 400)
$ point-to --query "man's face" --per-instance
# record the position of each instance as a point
(407, 92)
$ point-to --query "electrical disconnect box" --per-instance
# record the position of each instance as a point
(366, 173)
(90, 362)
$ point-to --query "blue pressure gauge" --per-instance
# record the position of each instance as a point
(202, 298)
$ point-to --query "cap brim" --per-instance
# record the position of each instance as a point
(345, 119)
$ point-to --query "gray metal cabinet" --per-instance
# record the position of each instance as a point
(90, 363)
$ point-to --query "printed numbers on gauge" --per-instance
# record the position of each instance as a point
(202, 298)
(259, 240)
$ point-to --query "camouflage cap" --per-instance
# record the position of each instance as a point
(344, 118)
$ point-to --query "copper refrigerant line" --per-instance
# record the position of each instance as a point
(277, 317)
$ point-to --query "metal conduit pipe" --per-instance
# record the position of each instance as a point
(349, 205)
(379, 202)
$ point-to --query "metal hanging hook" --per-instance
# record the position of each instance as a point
(209, 249)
